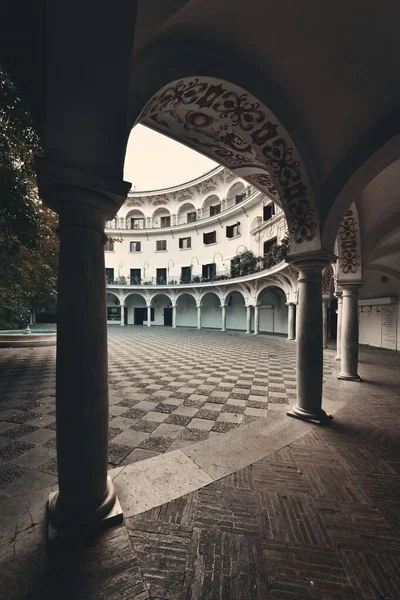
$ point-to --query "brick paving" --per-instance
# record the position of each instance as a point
(168, 389)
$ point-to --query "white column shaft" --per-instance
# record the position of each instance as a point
(248, 319)
(122, 315)
(174, 315)
(324, 323)
(256, 320)
(199, 317)
(291, 321)
(339, 325)
(349, 339)
(148, 315)
(223, 318)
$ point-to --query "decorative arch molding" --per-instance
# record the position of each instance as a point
(117, 296)
(349, 268)
(187, 293)
(327, 282)
(135, 293)
(165, 293)
(227, 292)
(234, 128)
(270, 286)
(214, 291)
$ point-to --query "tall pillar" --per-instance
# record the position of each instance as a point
(122, 315)
(338, 295)
(199, 316)
(256, 320)
(325, 302)
(85, 494)
(248, 319)
(223, 317)
(31, 318)
(349, 340)
(291, 321)
(149, 315)
(309, 342)
(174, 315)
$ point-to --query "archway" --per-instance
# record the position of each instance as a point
(161, 217)
(211, 206)
(211, 311)
(228, 124)
(235, 311)
(135, 219)
(235, 194)
(135, 309)
(186, 214)
(273, 311)
(162, 305)
(186, 311)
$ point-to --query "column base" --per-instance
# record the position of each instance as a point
(320, 418)
(62, 525)
(291, 339)
(347, 377)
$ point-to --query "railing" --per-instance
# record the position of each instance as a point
(201, 215)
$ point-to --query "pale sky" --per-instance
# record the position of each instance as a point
(155, 161)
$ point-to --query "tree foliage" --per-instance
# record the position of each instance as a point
(28, 241)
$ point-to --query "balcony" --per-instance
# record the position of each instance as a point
(186, 219)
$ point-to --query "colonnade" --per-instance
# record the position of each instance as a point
(86, 495)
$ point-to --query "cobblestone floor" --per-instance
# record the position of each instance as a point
(168, 389)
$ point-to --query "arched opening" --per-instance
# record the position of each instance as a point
(161, 217)
(135, 219)
(211, 206)
(211, 311)
(235, 311)
(162, 305)
(236, 194)
(186, 311)
(273, 311)
(136, 311)
(113, 309)
(186, 214)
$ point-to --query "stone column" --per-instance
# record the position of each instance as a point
(291, 321)
(309, 341)
(223, 317)
(349, 339)
(248, 319)
(174, 315)
(256, 320)
(31, 318)
(149, 315)
(325, 302)
(338, 295)
(122, 315)
(199, 316)
(86, 496)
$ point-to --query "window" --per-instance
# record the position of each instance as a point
(165, 221)
(210, 238)
(113, 313)
(136, 276)
(215, 210)
(185, 243)
(191, 217)
(136, 246)
(186, 274)
(109, 276)
(233, 230)
(137, 223)
(269, 245)
(161, 245)
(109, 246)
(209, 271)
(268, 212)
(161, 276)
(240, 197)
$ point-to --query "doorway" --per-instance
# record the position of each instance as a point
(168, 316)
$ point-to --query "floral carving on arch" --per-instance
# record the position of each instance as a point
(327, 282)
(235, 129)
(349, 247)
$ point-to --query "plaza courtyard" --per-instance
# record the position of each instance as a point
(168, 389)
(236, 500)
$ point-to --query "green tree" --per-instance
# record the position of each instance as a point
(28, 241)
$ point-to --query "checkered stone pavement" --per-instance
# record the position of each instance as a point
(167, 389)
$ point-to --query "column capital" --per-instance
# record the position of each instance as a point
(318, 258)
(350, 288)
(198, 305)
(76, 194)
(290, 303)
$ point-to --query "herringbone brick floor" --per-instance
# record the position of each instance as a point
(319, 519)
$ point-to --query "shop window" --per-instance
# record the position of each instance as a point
(270, 245)
(109, 276)
(109, 246)
(210, 238)
(113, 313)
(161, 245)
(185, 243)
(268, 211)
(233, 230)
(165, 221)
(136, 246)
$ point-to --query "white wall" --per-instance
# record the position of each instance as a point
(211, 312)
(186, 312)
(273, 311)
(373, 318)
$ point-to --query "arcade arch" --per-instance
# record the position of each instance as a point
(186, 310)
(273, 310)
